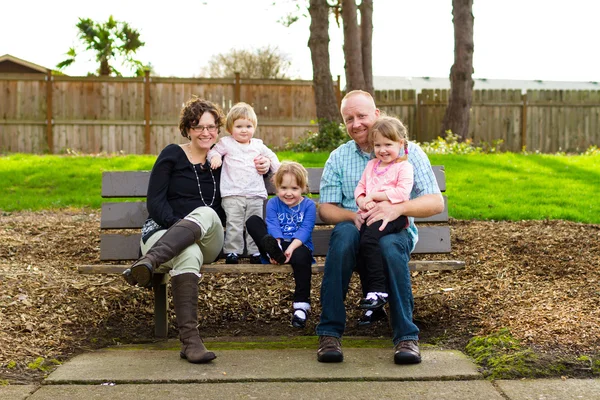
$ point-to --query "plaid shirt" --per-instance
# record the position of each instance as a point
(345, 166)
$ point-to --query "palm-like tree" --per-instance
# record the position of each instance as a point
(110, 41)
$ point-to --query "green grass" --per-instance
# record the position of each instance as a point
(512, 186)
(479, 186)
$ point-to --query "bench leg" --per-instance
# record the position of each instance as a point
(161, 322)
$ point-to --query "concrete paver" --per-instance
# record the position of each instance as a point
(551, 389)
(426, 390)
(152, 366)
(16, 392)
(157, 373)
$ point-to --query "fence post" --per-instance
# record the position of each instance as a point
(418, 118)
(237, 88)
(49, 121)
(524, 122)
(147, 121)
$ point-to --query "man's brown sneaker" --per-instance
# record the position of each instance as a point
(407, 352)
(330, 350)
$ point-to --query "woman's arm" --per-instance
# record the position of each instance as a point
(158, 207)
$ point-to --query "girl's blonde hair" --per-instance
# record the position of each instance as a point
(240, 110)
(390, 128)
(296, 170)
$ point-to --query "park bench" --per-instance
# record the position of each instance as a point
(121, 221)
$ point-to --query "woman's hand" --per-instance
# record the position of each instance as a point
(262, 164)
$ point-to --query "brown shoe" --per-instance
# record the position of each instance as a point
(330, 350)
(407, 352)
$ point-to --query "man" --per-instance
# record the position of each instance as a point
(337, 206)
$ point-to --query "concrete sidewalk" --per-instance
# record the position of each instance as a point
(135, 372)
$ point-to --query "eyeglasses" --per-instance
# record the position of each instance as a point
(200, 128)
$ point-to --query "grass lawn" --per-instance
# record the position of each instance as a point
(479, 186)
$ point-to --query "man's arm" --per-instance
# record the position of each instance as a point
(333, 214)
(423, 206)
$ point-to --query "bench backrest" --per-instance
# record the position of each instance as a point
(121, 221)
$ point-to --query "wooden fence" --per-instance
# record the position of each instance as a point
(540, 120)
(50, 114)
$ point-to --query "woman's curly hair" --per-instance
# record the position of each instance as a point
(193, 110)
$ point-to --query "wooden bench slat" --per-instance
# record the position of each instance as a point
(135, 183)
(419, 265)
(115, 246)
(132, 214)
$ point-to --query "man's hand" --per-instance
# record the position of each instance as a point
(383, 211)
(262, 164)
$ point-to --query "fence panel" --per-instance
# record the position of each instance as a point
(23, 114)
(401, 104)
(94, 114)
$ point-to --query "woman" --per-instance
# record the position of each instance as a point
(185, 224)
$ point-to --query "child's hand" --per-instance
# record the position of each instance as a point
(360, 202)
(358, 220)
(370, 205)
(215, 162)
(288, 254)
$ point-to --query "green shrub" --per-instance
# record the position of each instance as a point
(451, 144)
(330, 135)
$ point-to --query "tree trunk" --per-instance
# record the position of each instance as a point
(355, 78)
(104, 67)
(366, 27)
(318, 42)
(457, 115)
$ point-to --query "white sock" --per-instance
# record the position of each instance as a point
(302, 309)
(301, 306)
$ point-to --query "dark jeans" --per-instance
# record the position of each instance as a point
(370, 262)
(339, 265)
(301, 259)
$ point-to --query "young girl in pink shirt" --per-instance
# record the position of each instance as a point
(388, 177)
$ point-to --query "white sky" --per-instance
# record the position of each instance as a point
(514, 39)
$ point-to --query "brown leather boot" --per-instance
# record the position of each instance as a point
(181, 235)
(185, 298)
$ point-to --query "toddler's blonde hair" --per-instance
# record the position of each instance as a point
(296, 170)
(240, 110)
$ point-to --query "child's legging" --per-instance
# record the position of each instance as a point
(301, 260)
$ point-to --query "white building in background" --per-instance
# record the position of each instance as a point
(420, 83)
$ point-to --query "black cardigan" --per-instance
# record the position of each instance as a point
(173, 188)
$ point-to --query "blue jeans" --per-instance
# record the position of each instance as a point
(339, 265)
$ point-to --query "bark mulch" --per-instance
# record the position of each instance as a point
(539, 279)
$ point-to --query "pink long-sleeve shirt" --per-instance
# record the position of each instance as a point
(396, 181)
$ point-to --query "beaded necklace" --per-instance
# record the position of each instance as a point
(200, 190)
(379, 173)
(198, 180)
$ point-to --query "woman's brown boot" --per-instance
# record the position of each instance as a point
(185, 297)
(178, 237)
